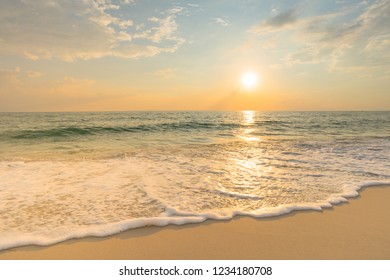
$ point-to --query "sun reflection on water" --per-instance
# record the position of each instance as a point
(247, 165)
(248, 119)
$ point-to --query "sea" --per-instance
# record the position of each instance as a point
(73, 175)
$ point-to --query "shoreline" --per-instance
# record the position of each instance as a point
(356, 229)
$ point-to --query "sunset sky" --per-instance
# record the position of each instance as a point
(102, 55)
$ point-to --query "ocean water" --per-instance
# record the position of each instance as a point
(68, 175)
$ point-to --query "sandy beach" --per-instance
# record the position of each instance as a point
(358, 229)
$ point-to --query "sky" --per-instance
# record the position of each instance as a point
(120, 55)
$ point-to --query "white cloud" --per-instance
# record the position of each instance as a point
(193, 5)
(176, 10)
(359, 44)
(342, 40)
(164, 29)
(128, 2)
(221, 21)
(72, 30)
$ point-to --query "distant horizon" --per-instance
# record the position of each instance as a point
(167, 111)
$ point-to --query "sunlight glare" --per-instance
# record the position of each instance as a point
(249, 80)
(248, 119)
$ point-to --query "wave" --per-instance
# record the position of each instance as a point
(72, 131)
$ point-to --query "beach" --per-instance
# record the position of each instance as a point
(261, 132)
(358, 230)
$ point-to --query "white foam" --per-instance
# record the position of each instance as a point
(14, 239)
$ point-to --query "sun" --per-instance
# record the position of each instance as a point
(249, 80)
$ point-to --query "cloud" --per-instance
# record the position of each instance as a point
(164, 30)
(34, 74)
(14, 78)
(354, 39)
(193, 5)
(166, 73)
(329, 29)
(72, 30)
(221, 21)
(10, 77)
(129, 2)
(78, 82)
(277, 22)
(308, 55)
(70, 86)
(282, 19)
(359, 44)
(177, 10)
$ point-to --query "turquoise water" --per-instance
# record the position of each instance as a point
(66, 175)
